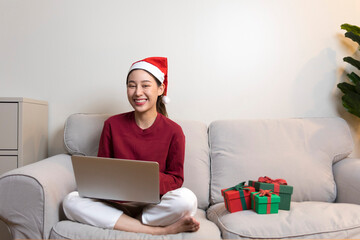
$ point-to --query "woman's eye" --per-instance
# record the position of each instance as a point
(131, 86)
(146, 86)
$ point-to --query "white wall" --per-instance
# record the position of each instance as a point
(228, 58)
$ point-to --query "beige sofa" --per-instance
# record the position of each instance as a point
(311, 154)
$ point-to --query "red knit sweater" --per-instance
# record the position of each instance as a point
(163, 142)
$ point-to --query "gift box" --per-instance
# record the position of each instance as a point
(265, 202)
(237, 198)
(278, 186)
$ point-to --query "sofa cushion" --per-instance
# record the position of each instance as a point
(74, 230)
(347, 178)
(197, 160)
(82, 135)
(305, 220)
(301, 151)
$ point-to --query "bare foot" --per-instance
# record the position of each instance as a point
(185, 224)
(129, 224)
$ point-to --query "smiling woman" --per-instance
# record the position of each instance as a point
(143, 134)
(157, 69)
(144, 91)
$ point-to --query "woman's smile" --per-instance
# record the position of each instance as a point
(143, 91)
(140, 102)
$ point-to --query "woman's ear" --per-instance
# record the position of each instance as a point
(161, 89)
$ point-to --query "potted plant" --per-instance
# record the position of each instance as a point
(351, 97)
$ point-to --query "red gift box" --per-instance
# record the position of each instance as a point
(237, 198)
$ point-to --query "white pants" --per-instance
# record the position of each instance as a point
(173, 206)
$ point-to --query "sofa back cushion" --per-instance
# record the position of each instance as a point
(82, 135)
(300, 151)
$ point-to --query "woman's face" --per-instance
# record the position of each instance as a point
(143, 91)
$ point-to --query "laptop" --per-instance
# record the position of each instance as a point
(117, 179)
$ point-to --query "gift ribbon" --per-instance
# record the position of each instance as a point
(276, 182)
(240, 188)
(266, 193)
(262, 193)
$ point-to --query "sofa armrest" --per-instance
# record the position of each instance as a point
(347, 178)
(31, 196)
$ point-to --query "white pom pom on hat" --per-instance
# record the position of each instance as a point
(165, 99)
(158, 67)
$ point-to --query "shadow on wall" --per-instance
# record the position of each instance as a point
(353, 121)
(313, 87)
(316, 94)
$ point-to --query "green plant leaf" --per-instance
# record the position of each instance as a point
(352, 61)
(351, 98)
(346, 87)
(351, 101)
(351, 28)
(353, 36)
(354, 78)
(357, 88)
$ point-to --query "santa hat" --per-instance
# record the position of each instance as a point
(157, 66)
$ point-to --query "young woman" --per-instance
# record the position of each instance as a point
(144, 134)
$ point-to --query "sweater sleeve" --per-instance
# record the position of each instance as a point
(173, 176)
(106, 145)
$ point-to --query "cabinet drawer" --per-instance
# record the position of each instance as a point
(7, 163)
(8, 126)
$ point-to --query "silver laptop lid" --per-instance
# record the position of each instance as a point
(117, 179)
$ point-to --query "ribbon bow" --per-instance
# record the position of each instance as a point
(273, 181)
(240, 186)
(262, 193)
(266, 193)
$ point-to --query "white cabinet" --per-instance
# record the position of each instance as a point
(23, 132)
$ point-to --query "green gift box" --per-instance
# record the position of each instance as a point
(265, 202)
(284, 191)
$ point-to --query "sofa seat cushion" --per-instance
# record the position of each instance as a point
(305, 220)
(75, 230)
